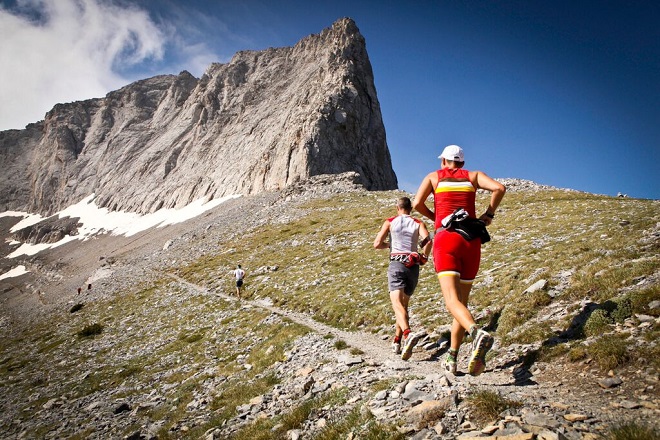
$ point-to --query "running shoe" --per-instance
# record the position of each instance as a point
(480, 346)
(396, 347)
(449, 365)
(409, 343)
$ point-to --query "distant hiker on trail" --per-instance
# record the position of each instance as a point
(457, 245)
(239, 274)
(403, 271)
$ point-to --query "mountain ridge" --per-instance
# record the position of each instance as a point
(258, 123)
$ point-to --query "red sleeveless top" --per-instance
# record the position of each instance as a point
(454, 191)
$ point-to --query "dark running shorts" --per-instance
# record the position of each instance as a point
(239, 283)
(402, 277)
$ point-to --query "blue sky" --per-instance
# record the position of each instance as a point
(564, 93)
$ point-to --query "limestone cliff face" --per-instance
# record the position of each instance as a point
(263, 121)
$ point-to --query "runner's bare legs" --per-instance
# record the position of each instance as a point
(400, 305)
(456, 296)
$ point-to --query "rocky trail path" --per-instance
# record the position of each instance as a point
(556, 402)
(423, 362)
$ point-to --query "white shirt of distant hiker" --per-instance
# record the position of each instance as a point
(240, 273)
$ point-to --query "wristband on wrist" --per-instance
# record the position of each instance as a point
(489, 215)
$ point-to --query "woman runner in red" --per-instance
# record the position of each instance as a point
(455, 258)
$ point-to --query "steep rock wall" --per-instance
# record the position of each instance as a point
(261, 122)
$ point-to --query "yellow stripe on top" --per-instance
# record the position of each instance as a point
(465, 186)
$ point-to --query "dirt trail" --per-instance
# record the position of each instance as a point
(422, 363)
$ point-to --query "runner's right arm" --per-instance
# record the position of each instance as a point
(379, 242)
(423, 192)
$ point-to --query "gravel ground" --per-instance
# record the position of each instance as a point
(112, 263)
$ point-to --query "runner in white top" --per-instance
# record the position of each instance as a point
(403, 271)
(240, 274)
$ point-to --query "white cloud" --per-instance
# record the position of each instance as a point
(191, 31)
(56, 51)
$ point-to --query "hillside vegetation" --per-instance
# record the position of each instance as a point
(587, 247)
(183, 362)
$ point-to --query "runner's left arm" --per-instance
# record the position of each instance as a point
(483, 181)
(424, 234)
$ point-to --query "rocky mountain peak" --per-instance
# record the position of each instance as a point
(261, 122)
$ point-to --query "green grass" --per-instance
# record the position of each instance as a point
(238, 393)
(610, 352)
(91, 330)
(277, 427)
(328, 269)
(486, 405)
(360, 425)
(521, 308)
(340, 345)
(352, 422)
(531, 334)
(342, 254)
(598, 323)
(578, 353)
(641, 299)
(181, 349)
(326, 252)
(633, 431)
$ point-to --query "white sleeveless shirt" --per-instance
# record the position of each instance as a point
(404, 233)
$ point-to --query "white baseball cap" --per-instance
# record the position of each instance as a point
(453, 152)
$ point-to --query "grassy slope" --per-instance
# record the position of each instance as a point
(326, 267)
